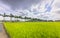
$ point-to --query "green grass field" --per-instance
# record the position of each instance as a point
(33, 29)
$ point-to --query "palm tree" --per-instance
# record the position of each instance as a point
(25, 18)
(1, 15)
(20, 17)
(17, 18)
(11, 15)
(4, 17)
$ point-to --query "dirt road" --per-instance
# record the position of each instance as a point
(2, 31)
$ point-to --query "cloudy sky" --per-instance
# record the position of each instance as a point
(43, 9)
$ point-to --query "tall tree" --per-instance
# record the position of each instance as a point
(11, 15)
(20, 17)
(16, 18)
(4, 17)
(25, 18)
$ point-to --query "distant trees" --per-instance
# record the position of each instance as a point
(20, 17)
(16, 18)
(25, 18)
(4, 17)
(1, 15)
(11, 15)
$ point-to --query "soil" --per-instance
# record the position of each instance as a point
(2, 31)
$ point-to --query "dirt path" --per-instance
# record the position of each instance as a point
(2, 32)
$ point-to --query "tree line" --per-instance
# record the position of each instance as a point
(15, 16)
(30, 19)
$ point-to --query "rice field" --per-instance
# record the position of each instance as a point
(33, 29)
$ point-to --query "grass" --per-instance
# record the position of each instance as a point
(33, 29)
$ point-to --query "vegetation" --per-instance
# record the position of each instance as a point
(33, 29)
(26, 18)
(11, 15)
(29, 19)
(4, 17)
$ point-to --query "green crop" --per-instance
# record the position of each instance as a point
(33, 29)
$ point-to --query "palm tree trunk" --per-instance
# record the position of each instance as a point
(11, 19)
(3, 18)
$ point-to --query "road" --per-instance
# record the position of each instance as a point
(2, 31)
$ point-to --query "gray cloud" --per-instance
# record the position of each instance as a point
(15, 4)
